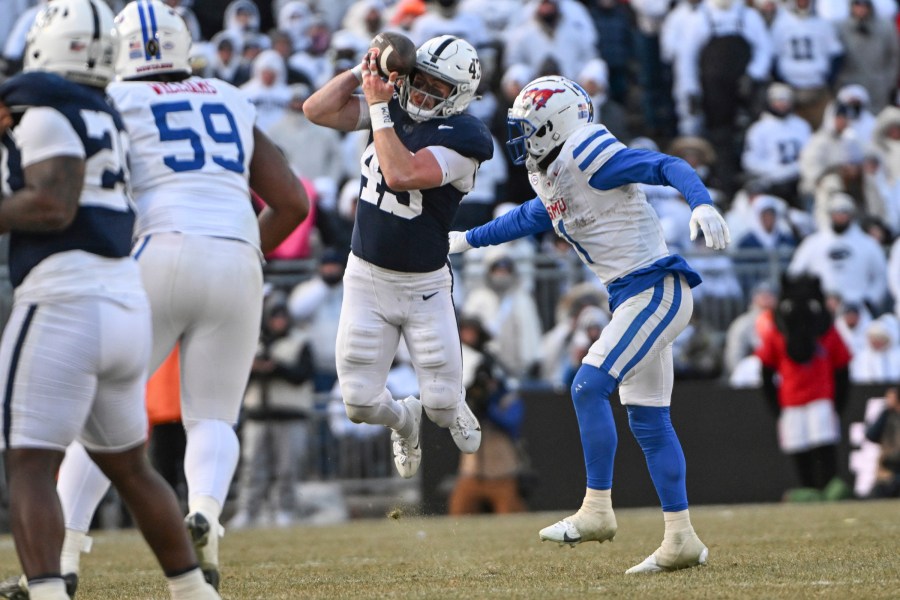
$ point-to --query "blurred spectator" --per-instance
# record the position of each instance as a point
(697, 351)
(879, 359)
(225, 57)
(278, 405)
(268, 89)
(654, 70)
(293, 19)
(702, 157)
(671, 47)
(283, 44)
(614, 22)
(855, 99)
(406, 12)
(871, 52)
(550, 33)
(727, 55)
(851, 322)
(721, 297)
(299, 244)
(743, 335)
(241, 17)
(772, 145)
(445, 17)
(488, 480)
(313, 59)
(316, 303)
(14, 47)
(509, 314)
(362, 22)
(834, 148)
(12, 10)
(769, 9)
(885, 431)
(848, 262)
(882, 169)
(806, 51)
(190, 19)
(588, 326)
(593, 78)
(556, 342)
(478, 206)
(837, 11)
(768, 229)
(296, 135)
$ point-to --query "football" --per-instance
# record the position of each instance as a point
(396, 52)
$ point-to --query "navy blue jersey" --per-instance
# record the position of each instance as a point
(104, 221)
(407, 231)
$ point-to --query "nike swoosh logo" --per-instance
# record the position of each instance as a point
(566, 538)
(429, 296)
(445, 126)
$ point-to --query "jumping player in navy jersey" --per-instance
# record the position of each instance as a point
(421, 160)
(585, 181)
(74, 355)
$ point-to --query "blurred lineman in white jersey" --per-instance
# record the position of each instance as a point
(73, 359)
(195, 153)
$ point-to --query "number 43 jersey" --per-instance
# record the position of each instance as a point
(191, 145)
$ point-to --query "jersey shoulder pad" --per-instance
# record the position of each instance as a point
(37, 88)
(465, 134)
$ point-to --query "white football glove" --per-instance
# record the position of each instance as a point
(458, 242)
(715, 230)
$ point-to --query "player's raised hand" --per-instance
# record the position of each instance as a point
(715, 231)
(458, 242)
(374, 87)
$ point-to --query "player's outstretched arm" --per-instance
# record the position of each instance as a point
(335, 105)
(286, 201)
(49, 200)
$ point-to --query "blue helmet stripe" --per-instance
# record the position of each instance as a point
(144, 32)
(154, 33)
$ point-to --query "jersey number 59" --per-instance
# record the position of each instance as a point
(220, 128)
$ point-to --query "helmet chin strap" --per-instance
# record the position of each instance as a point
(551, 156)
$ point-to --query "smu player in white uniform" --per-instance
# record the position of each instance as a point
(194, 153)
(588, 193)
(420, 162)
(73, 359)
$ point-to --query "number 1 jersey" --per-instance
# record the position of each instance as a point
(191, 145)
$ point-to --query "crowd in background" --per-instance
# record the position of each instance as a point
(789, 112)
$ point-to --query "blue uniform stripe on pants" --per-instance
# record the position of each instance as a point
(633, 329)
(657, 331)
(11, 376)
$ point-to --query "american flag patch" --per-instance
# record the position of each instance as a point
(134, 49)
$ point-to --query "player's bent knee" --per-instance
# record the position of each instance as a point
(592, 382)
(439, 402)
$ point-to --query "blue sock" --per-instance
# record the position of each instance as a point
(653, 430)
(590, 394)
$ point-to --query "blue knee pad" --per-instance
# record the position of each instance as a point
(590, 395)
(652, 428)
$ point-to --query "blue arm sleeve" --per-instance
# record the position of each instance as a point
(653, 168)
(526, 219)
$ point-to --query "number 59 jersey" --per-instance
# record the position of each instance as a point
(191, 145)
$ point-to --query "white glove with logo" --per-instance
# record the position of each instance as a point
(715, 230)
(458, 242)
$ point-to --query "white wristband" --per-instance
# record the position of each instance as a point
(380, 115)
(357, 72)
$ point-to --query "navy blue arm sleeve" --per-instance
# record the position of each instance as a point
(653, 168)
(526, 219)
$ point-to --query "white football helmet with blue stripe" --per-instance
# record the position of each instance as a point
(73, 38)
(545, 113)
(153, 39)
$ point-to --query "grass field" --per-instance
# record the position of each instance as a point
(846, 550)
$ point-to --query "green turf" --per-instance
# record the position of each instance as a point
(844, 550)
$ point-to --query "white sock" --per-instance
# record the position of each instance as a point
(81, 487)
(74, 544)
(210, 459)
(596, 501)
(677, 522)
(189, 586)
(51, 588)
(207, 505)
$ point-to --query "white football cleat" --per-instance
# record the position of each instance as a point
(582, 527)
(466, 430)
(407, 452)
(683, 551)
(205, 533)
